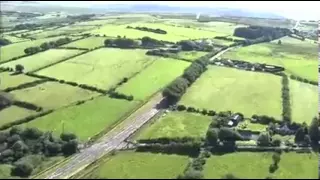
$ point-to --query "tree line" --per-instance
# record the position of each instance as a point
(47, 45)
(255, 32)
(158, 31)
(4, 42)
(29, 26)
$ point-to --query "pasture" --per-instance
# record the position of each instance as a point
(8, 79)
(191, 55)
(52, 95)
(177, 124)
(223, 89)
(247, 125)
(134, 165)
(96, 115)
(91, 42)
(14, 39)
(13, 113)
(298, 57)
(304, 101)
(155, 77)
(102, 68)
(42, 59)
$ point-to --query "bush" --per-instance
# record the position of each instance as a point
(22, 169)
(181, 107)
(67, 137)
(70, 147)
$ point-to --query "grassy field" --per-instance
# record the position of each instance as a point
(177, 124)
(153, 78)
(191, 55)
(95, 116)
(102, 68)
(14, 39)
(17, 49)
(247, 125)
(53, 95)
(304, 101)
(39, 60)
(223, 89)
(298, 57)
(13, 113)
(5, 171)
(91, 42)
(132, 165)
(8, 80)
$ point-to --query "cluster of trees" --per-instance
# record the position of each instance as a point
(276, 157)
(5, 100)
(25, 85)
(255, 32)
(229, 39)
(47, 45)
(196, 110)
(303, 80)
(151, 42)
(187, 45)
(178, 87)
(286, 106)
(158, 31)
(121, 42)
(4, 42)
(25, 26)
(18, 143)
(117, 95)
(314, 131)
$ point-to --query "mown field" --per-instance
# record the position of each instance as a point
(91, 42)
(135, 165)
(8, 79)
(102, 68)
(96, 115)
(177, 124)
(298, 57)
(52, 95)
(13, 113)
(223, 89)
(155, 77)
(304, 101)
(42, 59)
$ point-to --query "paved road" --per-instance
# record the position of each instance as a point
(106, 144)
(222, 52)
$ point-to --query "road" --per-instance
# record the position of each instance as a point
(222, 52)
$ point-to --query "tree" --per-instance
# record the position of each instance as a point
(19, 68)
(70, 147)
(212, 136)
(226, 134)
(191, 174)
(15, 130)
(276, 142)
(22, 169)
(32, 133)
(45, 46)
(279, 42)
(68, 137)
(276, 158)
(314, 132)
(299, 136)
(263, 139)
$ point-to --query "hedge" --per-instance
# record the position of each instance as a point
(25, 85)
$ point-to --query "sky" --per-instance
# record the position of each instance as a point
(294, 9)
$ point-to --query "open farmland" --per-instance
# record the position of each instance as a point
(17, 49)
(52, 95)
(304, 101)
(102, 68)
(14, 39)
(177, 124)
(10, 80)
(153, 78)
(223, 89)
(132, 165)
(13, 113)
(91, 42)
(96, 115)
(298, 57)
(42, 59)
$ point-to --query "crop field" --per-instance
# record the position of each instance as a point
(13, 113)
(133, 165)
(153, 78)
(42, 59)
(191, 55)
(223, 89)
(91, 42)
(102, 68)
(52, 95)
(304, 101)
(9, 80)
(95, 116)
(298, 57)
(17, 49)
(177, 124)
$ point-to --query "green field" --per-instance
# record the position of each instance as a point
(14, 39)
(298, 57)
(91, 42)
(8, 80)
(102, 68)
(39, 60)
(177, 124)
(5, 171)
(133, 165)
(256, 165)
(17, 49)
(53, 95)
(95, 116)
(304, 101)
(13, 113)
(223, 89)
(191, 55)
(153, 78)
(247, 125)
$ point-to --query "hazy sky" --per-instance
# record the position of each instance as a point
(293, 9)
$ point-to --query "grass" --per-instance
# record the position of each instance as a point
(298, 57)
(14, 39)
(153, 78)
(14, 113)
(52, 95)
(177, 124)
(102, 68)
(17, 49)
(132, 165)
(85, 120)
(5, 171)
(223, 89)
(91, 42)
(304, 101)
(191, 55)
(247, 125)
(8, 80)
(32, 63)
